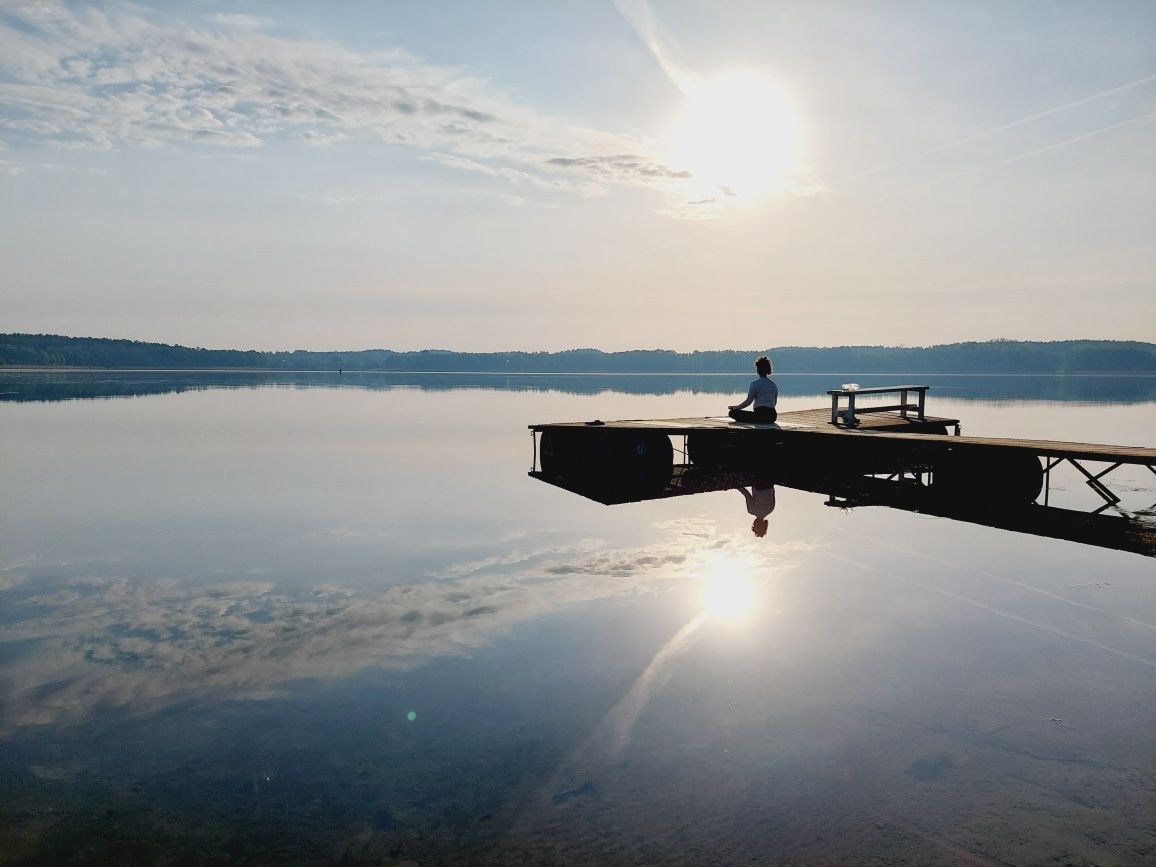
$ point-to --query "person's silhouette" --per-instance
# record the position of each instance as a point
(763, 393)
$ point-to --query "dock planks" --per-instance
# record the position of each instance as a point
(879, 427)
(816, 420)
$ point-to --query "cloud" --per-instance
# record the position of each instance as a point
(624, 168)
(698, 210)
(1031, 118)
(10, 579)
(665, 48)
(124, 76)
(20, 167)
(313, 137)
(517, 176)
(246, 22)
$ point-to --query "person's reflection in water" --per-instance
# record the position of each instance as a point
(760, 503)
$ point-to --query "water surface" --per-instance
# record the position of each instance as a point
(299, 619)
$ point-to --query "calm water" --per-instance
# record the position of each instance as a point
(308, 619)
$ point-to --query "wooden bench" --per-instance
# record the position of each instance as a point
(903, 407)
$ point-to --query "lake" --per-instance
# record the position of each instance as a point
(290, 619)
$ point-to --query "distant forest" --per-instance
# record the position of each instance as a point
(996, 356)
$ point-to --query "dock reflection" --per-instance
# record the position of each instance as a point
(908, 489)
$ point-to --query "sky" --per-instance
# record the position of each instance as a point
(580, 173)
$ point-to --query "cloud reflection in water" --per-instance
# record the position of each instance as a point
(75, 645)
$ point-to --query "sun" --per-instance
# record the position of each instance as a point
(739, 134)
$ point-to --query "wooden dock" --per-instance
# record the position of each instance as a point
(880, 442)
(890, 427)
(808, 420)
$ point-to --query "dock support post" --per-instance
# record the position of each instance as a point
(1049, 465)
(1093, 479)
(1095, 484)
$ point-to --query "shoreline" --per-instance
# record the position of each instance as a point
(683, 373)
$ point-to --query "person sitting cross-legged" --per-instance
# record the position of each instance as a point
(763, 393)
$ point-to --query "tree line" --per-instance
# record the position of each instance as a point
(48, 384)
(995, 356)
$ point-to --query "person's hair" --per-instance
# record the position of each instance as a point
(763, 366)
(759, 527)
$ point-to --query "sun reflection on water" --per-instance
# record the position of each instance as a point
(731, 592)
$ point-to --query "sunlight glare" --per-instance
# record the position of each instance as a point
(739, 134)
(729, 593)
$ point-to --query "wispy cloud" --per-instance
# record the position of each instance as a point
(15, 168)
(976, 170)
(516, 176)
(124, 76)
(631, 166)
(1023, 121)
(666, 49)
(1069, 141)
(248, 22)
